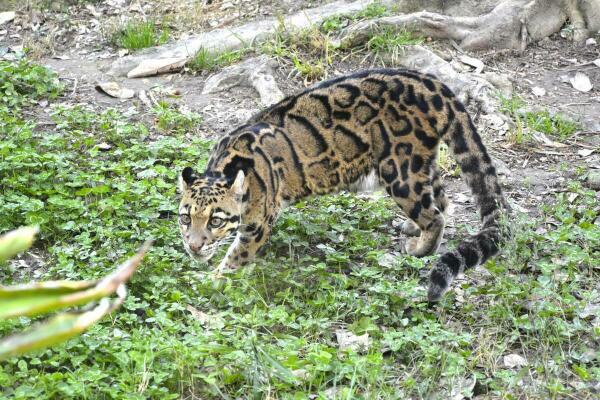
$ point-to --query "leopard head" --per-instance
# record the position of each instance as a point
(210, 211)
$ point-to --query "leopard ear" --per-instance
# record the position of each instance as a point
(187, 178)
(237, 187)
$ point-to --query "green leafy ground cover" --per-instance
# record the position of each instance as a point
(99, 185)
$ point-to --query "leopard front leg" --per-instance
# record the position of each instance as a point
(245, 246)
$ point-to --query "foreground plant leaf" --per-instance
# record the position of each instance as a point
(17, 241)
(57, 329)
(62, 294)
(38, 298)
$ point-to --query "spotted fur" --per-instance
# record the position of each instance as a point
(386, 122)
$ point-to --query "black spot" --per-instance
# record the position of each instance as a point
(404, 170)
(426, 200)
(397, 90)
(246, 196)
(432, 122)
(258, 235)
(428, 141)
(429, 84)
(342, 115)
(468, 253)
(490, 170)
(437, 102)
(422, 104)
(416, 163)
(459, 144)
(244, 239)
(459, 106)
(437, 191)
(400, 191)
(385, 150)
(415, 212)
(409, 98)
(452, 262)
(446, 92)
(389, 171)
(244, 254)
(418, 188)
(470, 165)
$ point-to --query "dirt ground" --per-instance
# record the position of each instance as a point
(73, 40)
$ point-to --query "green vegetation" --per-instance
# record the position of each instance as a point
(337, 22)
(389, 40)
(556, 125)
(269, 329)
(139, 35)
(312, 50)
(24, 83)
(206, 60)
(171, 121)
(540, 121)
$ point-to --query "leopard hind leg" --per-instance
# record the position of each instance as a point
(415, 196)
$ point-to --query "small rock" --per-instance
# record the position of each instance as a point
(581, 82)
(591, 42)
(226, 6)
(514, 361)
(593, 180)
(113, 89)
(7, 16)
(538, 91)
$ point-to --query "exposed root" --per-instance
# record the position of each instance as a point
(512, 24)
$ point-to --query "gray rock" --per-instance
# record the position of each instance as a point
(593, 180)
(256, 72)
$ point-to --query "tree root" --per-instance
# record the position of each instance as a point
(512, 24)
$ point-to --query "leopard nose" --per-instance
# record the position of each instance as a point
(195, 247)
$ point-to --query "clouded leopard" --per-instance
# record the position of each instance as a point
(387, 122)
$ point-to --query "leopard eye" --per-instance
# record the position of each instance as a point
(216, 222)
(185, 219)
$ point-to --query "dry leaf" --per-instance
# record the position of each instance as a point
(591, 42)
(473, 62)
(114, 90)
(348, 340)
(546, 141)
(514, 361)
(585, 152)
(572, 196)
(596, 62)
(538, 91)
(581, 82)
(207, 320)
